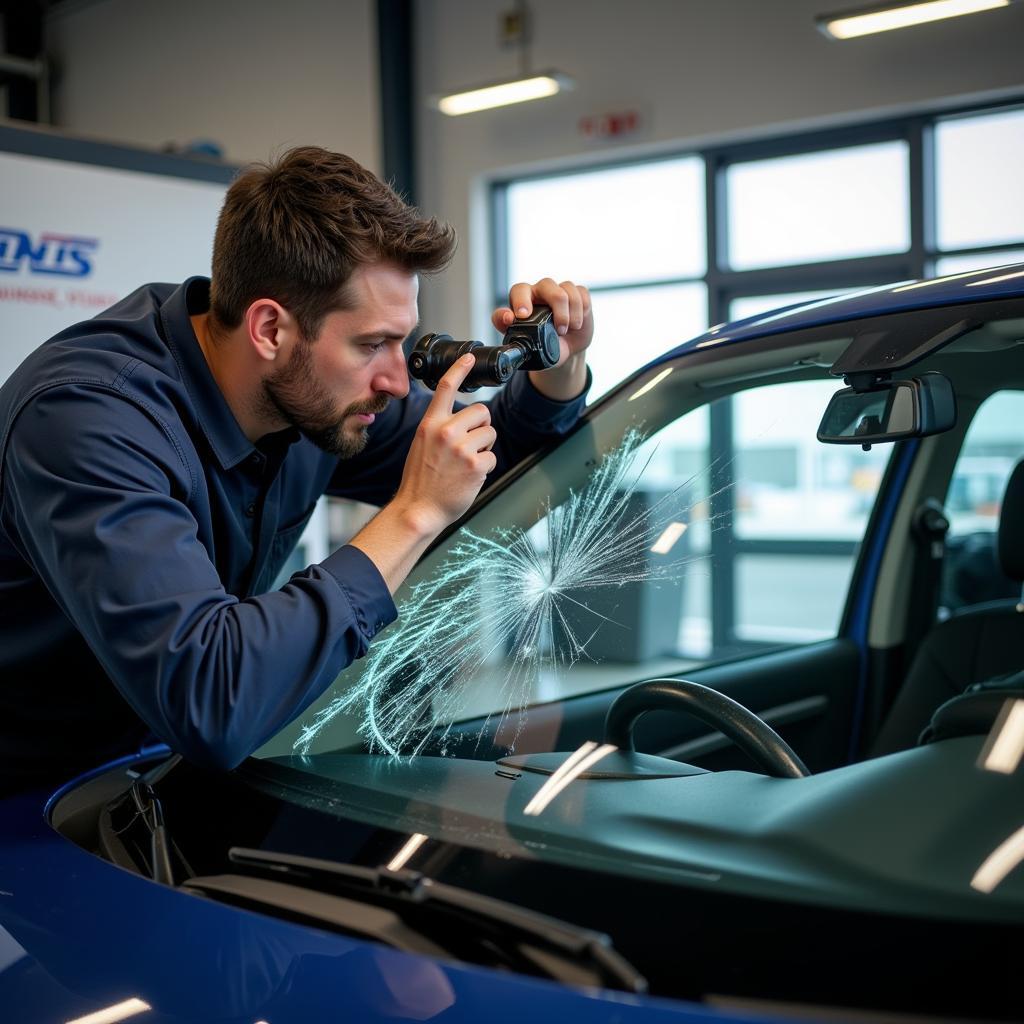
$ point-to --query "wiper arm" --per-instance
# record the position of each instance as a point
(140, 806)
(464, 924)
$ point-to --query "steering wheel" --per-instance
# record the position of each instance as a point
(743, 727)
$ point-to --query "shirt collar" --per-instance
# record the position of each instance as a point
(226, 438)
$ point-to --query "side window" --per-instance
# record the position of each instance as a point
(801, 511)
(994, 444)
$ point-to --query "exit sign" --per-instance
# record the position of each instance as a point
(613, 125)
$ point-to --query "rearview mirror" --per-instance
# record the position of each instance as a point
(890, 411)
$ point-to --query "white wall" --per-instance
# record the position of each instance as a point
(257, 76)
(697, 70)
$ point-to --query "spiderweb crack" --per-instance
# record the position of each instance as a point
(420, 673)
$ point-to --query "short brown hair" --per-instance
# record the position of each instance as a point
(296, 229)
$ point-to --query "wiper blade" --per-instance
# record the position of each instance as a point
(466, 924)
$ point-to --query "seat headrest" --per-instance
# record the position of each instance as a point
(1011, 526)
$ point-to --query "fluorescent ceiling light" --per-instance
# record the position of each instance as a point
(851, 24)
(501, 94)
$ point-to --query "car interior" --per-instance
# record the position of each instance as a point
(760, 799)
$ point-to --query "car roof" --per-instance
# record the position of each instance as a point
(973, 286)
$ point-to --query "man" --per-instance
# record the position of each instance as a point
(158, 463)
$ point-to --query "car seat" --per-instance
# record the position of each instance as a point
(975, 645)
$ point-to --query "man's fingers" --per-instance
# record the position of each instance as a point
(570, 304)
(554, 295)
(575, 305)
(443, 402)
(520, 298)
(472, 416)
(482, 439)
(502, 319)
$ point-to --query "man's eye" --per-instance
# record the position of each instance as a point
(375, 346)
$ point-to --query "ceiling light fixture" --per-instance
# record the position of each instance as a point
(866, 21)
(527, 85)
(502, 94)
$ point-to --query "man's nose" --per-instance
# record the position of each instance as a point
(393, 378)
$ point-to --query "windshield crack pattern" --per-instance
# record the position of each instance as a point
(511, 599)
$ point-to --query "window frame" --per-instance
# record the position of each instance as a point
(725, 284)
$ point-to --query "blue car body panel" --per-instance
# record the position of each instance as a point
(78, 934)
(904, 296)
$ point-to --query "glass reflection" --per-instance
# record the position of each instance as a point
(112, 1014)
(405, 854)
(571, 769)
(999, 863)
(1004, 747)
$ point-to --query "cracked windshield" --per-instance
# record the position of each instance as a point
(624, 559)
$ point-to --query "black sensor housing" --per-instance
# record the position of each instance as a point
(528, 344)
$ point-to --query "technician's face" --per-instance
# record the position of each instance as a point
(332, 387)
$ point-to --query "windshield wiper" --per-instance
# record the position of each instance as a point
(410, 911)
(139, 809)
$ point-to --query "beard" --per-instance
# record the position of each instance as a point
(296, 394)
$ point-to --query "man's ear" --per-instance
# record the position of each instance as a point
(271, 329)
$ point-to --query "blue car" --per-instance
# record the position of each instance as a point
(712, 712)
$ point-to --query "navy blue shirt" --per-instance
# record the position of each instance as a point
(141, 532)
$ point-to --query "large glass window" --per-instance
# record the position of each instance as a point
(826, 205)
(624, 225)
(638, 324)
(978, 179)
(977, 261)
(784, 226)
(636, 236)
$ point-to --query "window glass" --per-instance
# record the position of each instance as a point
(993, 446)
(814, 587)
(786, 553)
(818, 206)
(801, 508)
(633, 325)
(616, 226)
(978, 164)
(637, 568)
(977, 261)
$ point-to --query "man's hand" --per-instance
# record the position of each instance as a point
(573, 319)
(450, 455)
(447, 465)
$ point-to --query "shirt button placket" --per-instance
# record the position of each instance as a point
(256, 462)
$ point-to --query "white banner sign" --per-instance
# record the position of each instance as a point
(75, 238)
